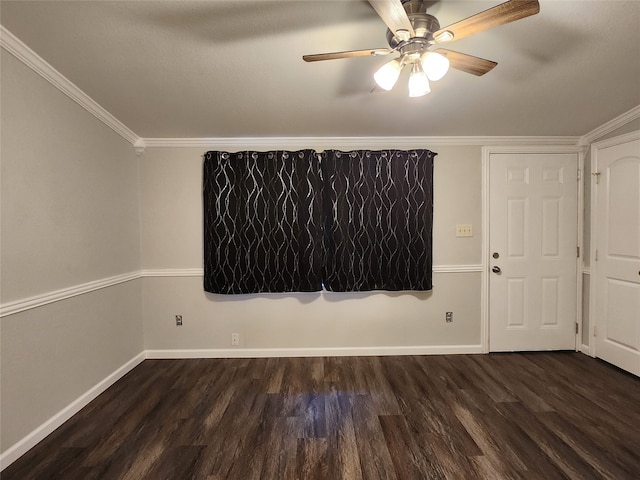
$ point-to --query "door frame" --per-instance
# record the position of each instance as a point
(484, 290)
(593, 265)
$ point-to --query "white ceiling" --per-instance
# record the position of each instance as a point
(234, 69)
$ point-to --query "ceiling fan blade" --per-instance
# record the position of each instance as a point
(499, 15)
(393, 15)
(467, 63)
(350, 54)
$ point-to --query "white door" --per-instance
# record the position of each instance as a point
(533, 212)
(617, 269)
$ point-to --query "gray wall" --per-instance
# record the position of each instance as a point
(70, 215)
(171, 180)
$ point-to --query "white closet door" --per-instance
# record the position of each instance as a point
(617, 268)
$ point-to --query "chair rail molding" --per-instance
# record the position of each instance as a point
(17, 306)
(21, 305)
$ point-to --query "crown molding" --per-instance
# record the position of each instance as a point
(139, 145)
(321, 143)
(610, 126)
(31, 59)
(617, 140)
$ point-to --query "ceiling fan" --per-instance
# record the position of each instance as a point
(413, 33)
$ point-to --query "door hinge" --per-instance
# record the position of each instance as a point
(579, 174)
(596, 257)
(597, 175)
(578, 252)
(595, 330)
(576, 328)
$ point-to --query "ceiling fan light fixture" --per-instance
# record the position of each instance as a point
(387, 75)
(418, 81)
(435, 65)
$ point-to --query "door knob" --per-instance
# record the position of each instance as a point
(496, 270)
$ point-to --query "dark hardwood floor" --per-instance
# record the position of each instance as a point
(499, 416)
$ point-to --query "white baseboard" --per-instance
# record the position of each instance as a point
(314, 352)
(23, 446)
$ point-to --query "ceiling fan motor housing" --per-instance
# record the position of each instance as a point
(423, 24)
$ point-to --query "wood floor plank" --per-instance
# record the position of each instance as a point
(343, 459)
(375, 457)
(311, 459)
(433, 409)
(610, 466)
(281, 454)
(410, 459)
(455, 462)
(559, 452)
(498, 458)
(524, 416)
(274, 372)
(522, 377)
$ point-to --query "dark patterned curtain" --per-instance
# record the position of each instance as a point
(378, 220)
(262, 222)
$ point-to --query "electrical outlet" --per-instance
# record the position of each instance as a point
(178, 320)
(235, 339)
(464, 230)
(448, 317)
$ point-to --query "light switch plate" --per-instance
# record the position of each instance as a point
(464, 230)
